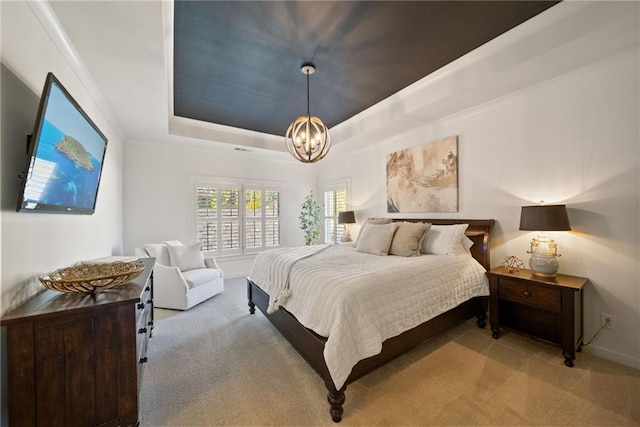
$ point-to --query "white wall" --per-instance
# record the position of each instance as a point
(158, 193)
(573, 140)
(33, 244)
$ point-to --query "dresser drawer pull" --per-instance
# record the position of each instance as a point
(527, 293)
(149, 301)
(140, 305)
(147, 289)
(142, 330)
(143, 360)
(150, 323)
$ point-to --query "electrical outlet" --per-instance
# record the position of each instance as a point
(611, 318)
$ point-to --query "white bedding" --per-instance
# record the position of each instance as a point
(358, 300)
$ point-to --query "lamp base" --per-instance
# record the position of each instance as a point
(543, 265)
(346, 235)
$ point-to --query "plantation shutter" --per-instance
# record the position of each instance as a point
(272, 218)
(235, 218)
(335, 201)
(262, 218)
(207, 218)
(218, 218)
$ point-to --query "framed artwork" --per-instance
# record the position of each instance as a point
(425, 178)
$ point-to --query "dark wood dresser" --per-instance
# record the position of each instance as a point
(77, 359)
(547, 308)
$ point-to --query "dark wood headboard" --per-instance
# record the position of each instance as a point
(479, 232)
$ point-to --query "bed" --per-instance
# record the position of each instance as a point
(281, 292)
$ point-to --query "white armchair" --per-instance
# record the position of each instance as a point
(182, 277)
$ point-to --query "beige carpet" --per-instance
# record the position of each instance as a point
(217, 365)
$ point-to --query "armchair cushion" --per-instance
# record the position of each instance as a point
(186, 257)
(197, 277)
(159, 252)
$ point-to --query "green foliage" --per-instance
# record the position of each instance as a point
(310, 219)
(254, 201)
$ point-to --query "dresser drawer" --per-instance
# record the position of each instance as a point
(529, 294)
(144, 323)
(145, 304)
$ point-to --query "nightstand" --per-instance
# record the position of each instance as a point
(547, 308)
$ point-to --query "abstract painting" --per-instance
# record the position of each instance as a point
(425, 178)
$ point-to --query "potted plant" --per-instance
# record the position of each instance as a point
(310, 219)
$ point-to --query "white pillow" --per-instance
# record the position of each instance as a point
(444, 239)
(186, 257)
(408, 238)
(376, 238)
(464, 247)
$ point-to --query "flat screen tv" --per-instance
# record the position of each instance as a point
(65, 156)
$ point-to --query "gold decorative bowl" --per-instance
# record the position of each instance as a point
(91, 278)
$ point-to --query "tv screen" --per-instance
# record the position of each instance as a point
(66, 153)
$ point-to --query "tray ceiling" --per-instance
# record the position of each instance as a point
(237, 63)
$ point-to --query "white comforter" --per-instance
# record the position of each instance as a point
(359, 300)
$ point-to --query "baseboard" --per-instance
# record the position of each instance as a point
(235, 266)
(237, 276)
(624, 359)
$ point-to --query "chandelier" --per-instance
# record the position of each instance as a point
(307, 138)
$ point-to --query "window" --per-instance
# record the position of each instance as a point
(335, 201)
(237, 218)
(262, 223)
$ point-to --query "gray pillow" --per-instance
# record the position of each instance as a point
(408, 238)
(371, 220)
(376, 238)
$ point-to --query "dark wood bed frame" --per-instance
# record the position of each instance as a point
(311, 345)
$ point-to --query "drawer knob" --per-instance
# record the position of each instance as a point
(142, 330)
(143, 360)
(140, 305)
(527, 293)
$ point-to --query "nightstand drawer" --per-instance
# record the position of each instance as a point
(526, 293)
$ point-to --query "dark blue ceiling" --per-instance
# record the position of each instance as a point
(237, 63)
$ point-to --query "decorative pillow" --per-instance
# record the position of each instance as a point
(444, 239)
(408, 238)
(186, 257)
(376, 238)
(372, 221)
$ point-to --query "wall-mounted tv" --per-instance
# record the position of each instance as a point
(65, 156)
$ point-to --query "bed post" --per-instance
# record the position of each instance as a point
(336, 400)
(252, 306)
(482, 313)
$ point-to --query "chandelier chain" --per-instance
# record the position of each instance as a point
(308, 114)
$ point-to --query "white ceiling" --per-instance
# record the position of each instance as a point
(126, 49)
(121, 44)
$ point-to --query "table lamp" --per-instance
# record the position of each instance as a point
(544, 251)
(346, 217)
